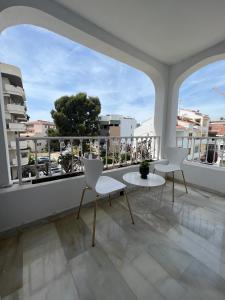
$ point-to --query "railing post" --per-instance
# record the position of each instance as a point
(49, 157)
(60, 150)
(35, 149)
(113, 158)
(18, 155)
(158, 147)
(154, 152)
(99, 148)
(214, 152)
(71, 143)
(106, 153)
(125, 156)
(81, 147)
(193, 149)
(200, 148)
(207, 148)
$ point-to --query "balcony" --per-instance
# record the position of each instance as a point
(16, 109)
(172, 252)
(14, 90)
(16, 127)
(12, 145)
(163, 255)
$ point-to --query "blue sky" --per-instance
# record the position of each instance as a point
(53, 66)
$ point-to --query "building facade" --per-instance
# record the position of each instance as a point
(117, 125)
(38, 128)
(15, 113)
(200, 121)
(217, 128)
(146, 128)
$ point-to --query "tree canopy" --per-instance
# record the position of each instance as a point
(77, 115)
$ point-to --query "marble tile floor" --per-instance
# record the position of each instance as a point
(172, 252)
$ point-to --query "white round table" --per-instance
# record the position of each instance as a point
(153, 180)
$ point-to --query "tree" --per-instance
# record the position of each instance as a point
(54, 144)
(77, 115)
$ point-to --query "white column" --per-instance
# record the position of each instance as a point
(5, 177)
(171, 113)
(160, 113)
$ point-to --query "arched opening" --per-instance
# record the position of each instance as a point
(201, 109)
(73, 68)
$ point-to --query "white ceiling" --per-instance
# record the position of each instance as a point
(169, 30)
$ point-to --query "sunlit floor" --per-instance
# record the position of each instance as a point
(172, 252)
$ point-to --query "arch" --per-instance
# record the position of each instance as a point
(57, 19)
(80, 30)
(61, 21)
(177, 75)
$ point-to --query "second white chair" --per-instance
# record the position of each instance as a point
(102, 185)
(175, 157)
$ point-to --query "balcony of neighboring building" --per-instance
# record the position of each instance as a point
(14, 90)
(11, 126)
(12, 145)
(14, 108)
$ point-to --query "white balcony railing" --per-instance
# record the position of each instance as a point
(16, 109)
(205, 150)
(16, 126)
(14, 90)
(63, 154)
(23, 145)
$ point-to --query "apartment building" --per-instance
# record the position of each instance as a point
(117, 125)
(200, 121)
(15, 113)
(38, 128)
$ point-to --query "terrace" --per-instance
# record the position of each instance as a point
(172, 251)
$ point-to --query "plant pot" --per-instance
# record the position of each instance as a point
(144, 171)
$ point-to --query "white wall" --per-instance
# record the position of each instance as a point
(208, 177)
(127, 126)
(27, 203)
(146, 128)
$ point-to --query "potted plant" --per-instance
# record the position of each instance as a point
(144, 169)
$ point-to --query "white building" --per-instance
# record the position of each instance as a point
(146, 128)
(117, 125)
(200, 121)
(15, 113)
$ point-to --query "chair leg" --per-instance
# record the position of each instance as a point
(94, 222)
(128, 204)
(81, 201)
(173, 187)
(153, 171)
(184, 181)
(110, 202)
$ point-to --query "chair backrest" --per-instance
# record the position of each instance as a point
(92, 169)
(176, 155)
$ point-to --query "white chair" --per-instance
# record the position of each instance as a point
(102, 185)
(175, 157)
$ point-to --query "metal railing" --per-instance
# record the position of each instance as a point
(206, 150)
(62, 155)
